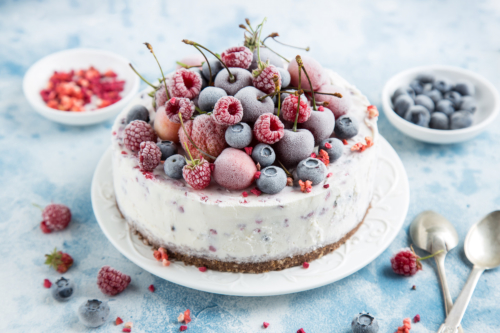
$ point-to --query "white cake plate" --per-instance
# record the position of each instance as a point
(382, 224)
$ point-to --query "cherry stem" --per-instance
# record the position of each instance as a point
(279, 104)
(279, 55)
(143, 79)
(37, 206)
(190, 140)
(187, 149)
(199, 110)
(295, 47)
(310, 85)
(232, 79)
(150, 48)
(298, 102)
(187, 66)
(210, 83)
(430, 256)
(249, 25)
(259, 41)
(286, 171)
(320, 93)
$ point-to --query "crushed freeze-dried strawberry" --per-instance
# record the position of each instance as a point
(326, 186)
(369, 141)
(372, 111)
(187, 316)
(257, 175)
(202, 269)
(329, 175)
(118, 321)
(47, 283)
(244, 194)
(256, 191)
(265, 324)
(248, 150)
(183, 328)
(305, 265)
(127, 329)
(345, 142)
(151, 288)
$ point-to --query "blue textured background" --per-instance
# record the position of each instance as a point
(365, 41)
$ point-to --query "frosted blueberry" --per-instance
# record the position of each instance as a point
(285, 77)
(138, 112)
(311, 169)
(468, 103)
(272, 180)
(439, 120)
(454, 97)
(252, 107)
(63, 290)
(402, 104)
(167, 148)
(419, 115)
(239, 135)
(464, 88)
(443, 85)
(364, 323)
(93, 313)
(461, 119)
(215, 66)
(425, 78)
(209, 96)
(243, 78)
(345, 127)
(263, 154)
(445, 106)
(336, 148)
(425, 101)
(403, 90)
(173, 166)
(434, 94)
(417, 87)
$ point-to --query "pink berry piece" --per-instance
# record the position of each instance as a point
(339, 106)
(314, 70)
(242, 79)
(252, 106)
(234, 169)
(185, 84)
(294, 147)
(192, 60)
(197, 173)
(206, 134)
(228, 111)
(237, 56)
(55, 217)
(268, 129)
(149, 156)
(320, 124)
(136, 132)
(111, 281)
(179, 104)
(265, 80)
(289, 109)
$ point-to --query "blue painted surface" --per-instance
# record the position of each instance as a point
(365, 41)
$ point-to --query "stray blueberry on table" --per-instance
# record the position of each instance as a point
(439, 120)
(425, 78)
(454, 97)
(461, 119)
(445, 106)
(403, 90)
(345, 127)
(417, 87)
(167, 148)
(464, 88)
(173, 166)
(434, 94)
(425, 101)
(333, 147)
(63, 290)
(138, 112)
(468, 103)
(419, 115)
(239, 135)
(272, 180)
(443, 85)
(93, 313)
(364, 323)
(263, 154)
(311, 169)
(209, 96)
(402, 104)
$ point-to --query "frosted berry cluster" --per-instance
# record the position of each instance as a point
(244, 121)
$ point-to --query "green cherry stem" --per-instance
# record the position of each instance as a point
(190, 156)
(279, 55)
(210, 83)
(190, 140)
(232, 79)
(37, 206)
(187, 66)
(259, 41)
(310, 84)
(279, 104)
(286, 171)
(430, 256)
(295, 47)
(150, 48)
(298, 102)
(319, 93)
(143, 79)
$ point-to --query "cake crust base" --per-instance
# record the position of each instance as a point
(261, 267)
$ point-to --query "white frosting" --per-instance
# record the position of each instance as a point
(215, 223)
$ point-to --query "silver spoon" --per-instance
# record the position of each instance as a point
(482, 248)
(432, 232)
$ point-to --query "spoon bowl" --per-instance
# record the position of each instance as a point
(482, 244)
(432, 232)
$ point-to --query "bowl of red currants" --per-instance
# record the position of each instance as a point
(80, 86)
(440, 104)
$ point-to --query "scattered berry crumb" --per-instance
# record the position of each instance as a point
(328, 146)
(126, 329)
(245, 194)
(329, 175)
(289, 181)
(166, 263)
(157, 255)
(187, 316)
(257, 175)
(321, 109)
(345, 142)
(326, 186)
(256, 191)
(47, 283)
(305, 264)
(265, 324)
(202, 269)
(248, 150)
(406, 326)
(416, 319)
(313, 155)
(129, 324)
(301, 331)
(183, 328)
(372, 111)
(118, 321)
(414, 287)
(180, 318)
(151, 288)
(306, 186)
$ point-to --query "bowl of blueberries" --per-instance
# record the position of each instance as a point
(440, 104)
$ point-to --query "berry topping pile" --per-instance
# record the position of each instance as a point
(245, 119)
(82, 90)
(436, 103)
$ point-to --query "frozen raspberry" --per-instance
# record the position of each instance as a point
(185, 83)
(264, 81)
(136, 132)
(179, 104)
(289, 109)
(228, 111)
(314, 70)
(149, 156)
(238, 56)
(234, 169)
(112, 281)
(55, 217)
(406, 263)
(206, 134)
(268, 128)
(197, 173)
(59, 260)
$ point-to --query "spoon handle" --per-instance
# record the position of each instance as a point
(457, 312)
(448, 301)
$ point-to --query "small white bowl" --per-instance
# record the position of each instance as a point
(38, 75)
(488, 104)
